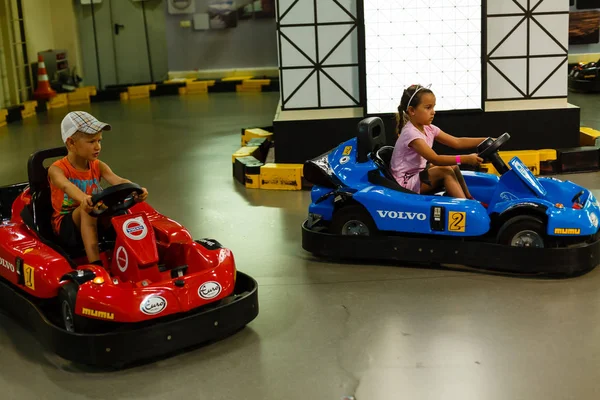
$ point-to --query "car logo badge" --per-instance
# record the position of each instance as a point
(122, 259)
(209, 290)
(153, 305)
(135, 228)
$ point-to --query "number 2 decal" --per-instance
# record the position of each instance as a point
(457, 221)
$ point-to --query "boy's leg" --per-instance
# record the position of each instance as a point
(443, 176)
(461, 181)
(88, 226)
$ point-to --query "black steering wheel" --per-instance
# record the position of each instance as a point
(489, 146)
(114, 199)
(488, 150)
(577, 196)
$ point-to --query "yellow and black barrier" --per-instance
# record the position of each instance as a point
(536, 160)
(252, 166)
(29, 109)
(255, 133)
(275, 176)
(3, 114)
(589, 137)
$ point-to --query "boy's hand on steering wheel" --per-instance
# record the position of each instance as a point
(86, 203)
(471, 159)
(142, 197)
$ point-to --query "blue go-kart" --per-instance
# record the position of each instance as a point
(517, 223)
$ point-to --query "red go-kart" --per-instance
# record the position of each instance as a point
(161, 290)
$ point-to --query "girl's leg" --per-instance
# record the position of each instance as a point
(443, 176)
(461, 181)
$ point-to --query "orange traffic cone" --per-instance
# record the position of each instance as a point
(44, 91)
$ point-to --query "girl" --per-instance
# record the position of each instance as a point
(413, 148)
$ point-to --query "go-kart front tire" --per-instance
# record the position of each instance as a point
(71, 322)
(353, 220)
(523, 231)
(67, 296)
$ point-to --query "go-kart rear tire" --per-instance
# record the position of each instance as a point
(353, 220)
(527, 227)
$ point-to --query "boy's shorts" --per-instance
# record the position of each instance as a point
(69, 235)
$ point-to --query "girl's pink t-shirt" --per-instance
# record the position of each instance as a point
(406, 162)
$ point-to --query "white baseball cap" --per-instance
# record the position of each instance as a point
(81, 121)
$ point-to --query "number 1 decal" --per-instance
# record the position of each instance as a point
(457, 221)
(29, 277)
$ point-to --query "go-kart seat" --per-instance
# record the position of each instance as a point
(370, 138)
(38, 215)
(40, 209)
(383, 159)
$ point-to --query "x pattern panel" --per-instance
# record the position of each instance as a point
(428, 42)
(527, 44)
(318, 53)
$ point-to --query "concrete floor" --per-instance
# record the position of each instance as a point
(325, 330)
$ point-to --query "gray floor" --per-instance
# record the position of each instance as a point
(325, 330)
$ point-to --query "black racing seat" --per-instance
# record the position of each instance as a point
(383, 159)
(371, 145)
(382, 176)
(38, 215)
(40, 210)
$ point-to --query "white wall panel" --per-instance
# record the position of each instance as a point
(426, 42)
(539, 43)
(330, 39)
(302, 12)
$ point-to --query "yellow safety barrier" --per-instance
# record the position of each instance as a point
(253, 181)
(588, 136)
(90, 89)
(3, 114)
(531, 158)
(252, 85)
(138, 92)
(196, 87)
(245, 152)
(281, 176)
(246, 170)
(58, 101)
(28, 110)
(248, 89)
(236, 78)
(252, 133)
(79, 96)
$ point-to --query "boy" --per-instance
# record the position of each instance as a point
(75, 178)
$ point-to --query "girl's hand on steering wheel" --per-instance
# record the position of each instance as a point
(471, 159)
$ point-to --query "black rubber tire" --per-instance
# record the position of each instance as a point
(67, 297)
(520, 223)
(352, 212)
(68, 294)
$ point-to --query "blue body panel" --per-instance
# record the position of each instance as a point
(518, 189)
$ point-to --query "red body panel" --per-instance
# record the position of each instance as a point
(142, 282)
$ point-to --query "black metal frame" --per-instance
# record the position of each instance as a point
(317, 65)
(528, 15)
